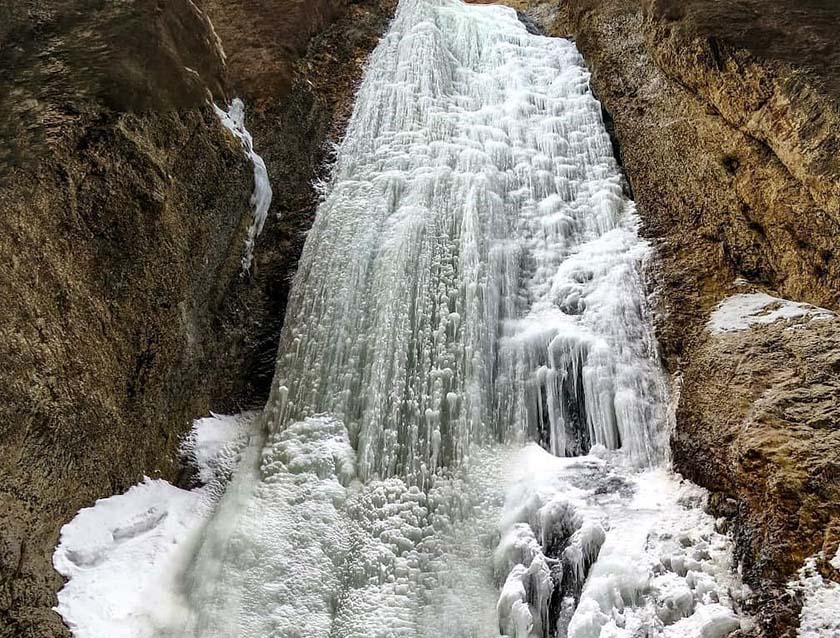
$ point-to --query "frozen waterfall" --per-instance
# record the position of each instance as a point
(466, 432)
(473, 275)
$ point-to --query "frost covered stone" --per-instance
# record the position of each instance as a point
(741, 312)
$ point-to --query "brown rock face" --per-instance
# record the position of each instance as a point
(124, 208)
(68, 58)
(726, 118)
(118, 234)
(114, 259)
(265, 39)
(293, 134)
(758, 420)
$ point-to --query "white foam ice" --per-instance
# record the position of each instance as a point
(629, 553)
(820, 615)
(743, 311)
(505, 546)
(234, 120)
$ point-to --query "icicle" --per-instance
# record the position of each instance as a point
(234, 120)
(471, 282)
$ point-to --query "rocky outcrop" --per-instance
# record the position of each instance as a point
(118, 232)
(114, 258)
(725, 116)
(65, 61)
(758, 425)
(124, 212)
(294, 131)
(265, 40)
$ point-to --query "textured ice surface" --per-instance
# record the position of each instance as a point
(473, 273)
(634, 547)
(502, 546)
(122, 557)
(741, 312)
(471, 283)
(234, 120)
(360, 559)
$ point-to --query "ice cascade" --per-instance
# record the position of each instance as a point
(473, 275)
(234, 120)
(465, 433)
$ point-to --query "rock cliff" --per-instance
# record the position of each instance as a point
(125, 206)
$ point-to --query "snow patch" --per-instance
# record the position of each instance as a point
(835, 562)
(743, 311)
(122, 556)
(820, 616)
(234, 120)
(214, 443)
(119, 557)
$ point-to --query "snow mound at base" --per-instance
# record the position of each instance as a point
(123, 555)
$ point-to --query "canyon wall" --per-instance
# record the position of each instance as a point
(125, 206)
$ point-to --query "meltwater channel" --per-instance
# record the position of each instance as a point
(467, 430)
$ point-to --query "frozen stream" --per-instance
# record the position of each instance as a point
(466, 435)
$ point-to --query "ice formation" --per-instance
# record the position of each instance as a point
(471, 283)
(820, 616)
(465, 433)
(628, 553)
(473, 274)
(234, 120)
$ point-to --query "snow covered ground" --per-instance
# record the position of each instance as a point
(820, 617)
(634, 545)
(124, 555)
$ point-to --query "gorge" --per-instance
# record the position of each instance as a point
(471, 421)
